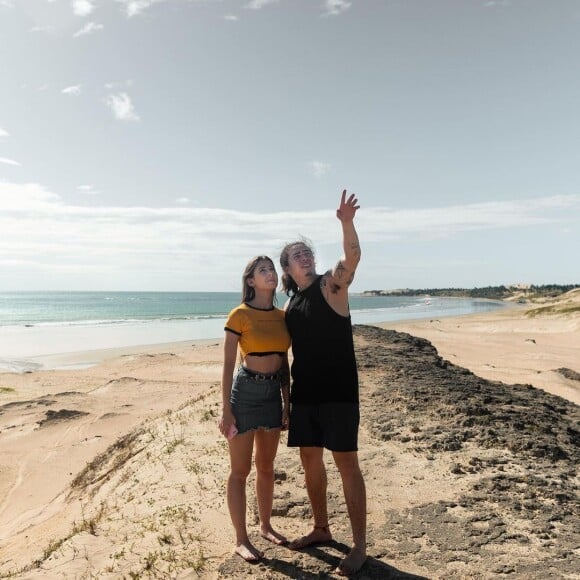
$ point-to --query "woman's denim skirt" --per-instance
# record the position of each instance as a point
(256, 401)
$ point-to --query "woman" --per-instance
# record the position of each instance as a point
(255, 401)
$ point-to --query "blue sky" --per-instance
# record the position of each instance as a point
(159, 144)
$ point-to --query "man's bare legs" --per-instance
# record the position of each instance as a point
(356, 502)
(315, 476)
(266, 447)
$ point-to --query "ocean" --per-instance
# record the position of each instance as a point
(37, 325)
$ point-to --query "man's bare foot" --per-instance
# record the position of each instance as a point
(248, 552)
(352, 563)
(318, 535)
(272, 536)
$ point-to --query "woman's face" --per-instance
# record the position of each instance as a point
(264, 277)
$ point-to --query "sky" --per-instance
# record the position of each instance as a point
(160, 144)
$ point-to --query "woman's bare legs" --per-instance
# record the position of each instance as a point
(241, 447)
(266, 448)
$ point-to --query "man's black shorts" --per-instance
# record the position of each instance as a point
(330, 425)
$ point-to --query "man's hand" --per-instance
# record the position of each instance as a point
(347, 210)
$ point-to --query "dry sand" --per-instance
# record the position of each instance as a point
(118, 471)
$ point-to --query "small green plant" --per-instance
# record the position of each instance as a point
(150, 560)
(165, 539)
(193, 466)
(208, 415)
(52, 547)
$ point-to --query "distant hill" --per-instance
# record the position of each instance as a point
(493, 292)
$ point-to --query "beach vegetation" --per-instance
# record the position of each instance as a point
(528, 291)
(53, 546)
(165, 539)
(208, 415)
(553, 309)
(193, 466)
(89, 524)
(175, 438)
(110, 461)
(7, 390)
(150, 560)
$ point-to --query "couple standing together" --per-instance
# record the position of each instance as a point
(321, 410)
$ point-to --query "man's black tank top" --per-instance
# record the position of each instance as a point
(324, 366)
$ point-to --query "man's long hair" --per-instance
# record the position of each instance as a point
(289, 285)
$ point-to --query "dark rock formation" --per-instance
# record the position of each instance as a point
(62, 415)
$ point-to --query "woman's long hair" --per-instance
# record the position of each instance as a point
(248, 292)
(288, 283)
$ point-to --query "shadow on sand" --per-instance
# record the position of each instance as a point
(304, 568)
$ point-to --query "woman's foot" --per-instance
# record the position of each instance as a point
(271, 535)
(248, 552)
(352, 563)
(318, 535)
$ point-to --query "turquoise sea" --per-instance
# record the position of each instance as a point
(37, 325)
(95, 308)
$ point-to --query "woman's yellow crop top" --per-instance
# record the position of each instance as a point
(261, 332)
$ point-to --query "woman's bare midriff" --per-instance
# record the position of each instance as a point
(267, 365)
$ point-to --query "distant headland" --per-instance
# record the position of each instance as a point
(521, 292)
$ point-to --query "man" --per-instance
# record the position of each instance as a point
(324, 393)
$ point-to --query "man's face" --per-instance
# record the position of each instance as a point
(300, 261)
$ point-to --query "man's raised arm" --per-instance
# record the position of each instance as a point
(342, 274)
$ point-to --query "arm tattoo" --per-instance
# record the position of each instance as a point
(339, 271)
(332, 286)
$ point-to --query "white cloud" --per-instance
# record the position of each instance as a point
(87, 189)
(435, 223)
(493, 3)
(231, 17)
(117, 85)
(319, 168)
(171, 245)
(46, 28)
(259, 4)
(336, 7)
(4, 133)
(122, 107)
(7, 3)
(7, 161)
(88, 28)
(182, 200)
(82, 7)
(74, 90)
(136, 7)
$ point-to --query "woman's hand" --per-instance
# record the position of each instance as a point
(226, 421)
(285, 418)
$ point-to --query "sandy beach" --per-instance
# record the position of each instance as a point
(526, 346)
(118, 470)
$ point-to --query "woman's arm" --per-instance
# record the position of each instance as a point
(230, 353)
(285, 388)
